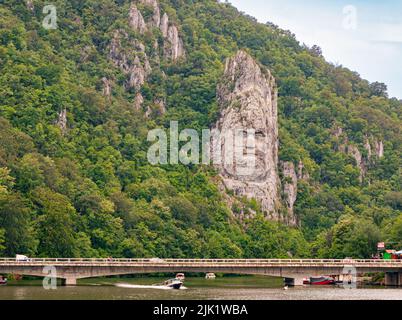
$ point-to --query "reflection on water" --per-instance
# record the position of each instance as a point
(241, 288)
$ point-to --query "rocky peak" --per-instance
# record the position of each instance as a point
(155, 20)
(137, 69)
(136, 20)
(368, 148)
(173, 44)
(174, 47)
(247, 97)
(164, 25)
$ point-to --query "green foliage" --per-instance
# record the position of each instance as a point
(351, 237)
(15, 221)
(89, 191)
(2, 240)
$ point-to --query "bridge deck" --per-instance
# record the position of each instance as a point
(360, 263)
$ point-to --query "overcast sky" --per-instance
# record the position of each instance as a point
(363, 35)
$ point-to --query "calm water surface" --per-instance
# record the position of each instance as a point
(233, 288)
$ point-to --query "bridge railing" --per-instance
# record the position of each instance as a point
(5, 261)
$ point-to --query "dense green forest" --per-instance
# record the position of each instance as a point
(86, 189)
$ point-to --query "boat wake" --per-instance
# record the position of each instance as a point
(135, 286)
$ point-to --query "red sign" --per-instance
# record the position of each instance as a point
(381, 245)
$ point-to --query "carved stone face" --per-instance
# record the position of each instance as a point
(247, 97)
(250, 125)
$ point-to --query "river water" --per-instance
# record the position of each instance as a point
(230, 288)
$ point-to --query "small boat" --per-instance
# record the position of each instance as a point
(180, 276)
(3, 281)
(319, 281)
(173, 284)
(210, 276)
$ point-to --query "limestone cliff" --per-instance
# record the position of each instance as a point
(134, 62)
(247, 96)
(290, 190)
(136, 20)
(155, 20)
(174, 47)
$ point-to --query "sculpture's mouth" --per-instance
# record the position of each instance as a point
(248, 169)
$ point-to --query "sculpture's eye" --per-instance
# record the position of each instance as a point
(259, 134)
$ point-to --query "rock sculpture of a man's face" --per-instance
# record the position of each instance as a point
(247, 97)
(249, 126)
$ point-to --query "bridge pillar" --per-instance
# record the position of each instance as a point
(392, 279)
(295, 281)
(69, 282)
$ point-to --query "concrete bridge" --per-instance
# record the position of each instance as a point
(72, 269)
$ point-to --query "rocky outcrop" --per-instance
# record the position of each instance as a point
(373, 147)
(136, 20)
(161, 104)
(356, 154)
(130, 55)
(148, 112)
(107, 87)
(62, 120)
(155, 20)
(379, 148)
(247, 96)
(138, 101)
(290, 190)
(116, 52)
(302, 173)
(164, 25)
(174, 47)
(368, 148)
(137, 75)
(137, 69)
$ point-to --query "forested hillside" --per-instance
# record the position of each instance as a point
(77, 102)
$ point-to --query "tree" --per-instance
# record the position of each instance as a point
(15, 220)
(2, 241)
(394, 199)
(353, 237)
(379, 89)
(55, 224)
